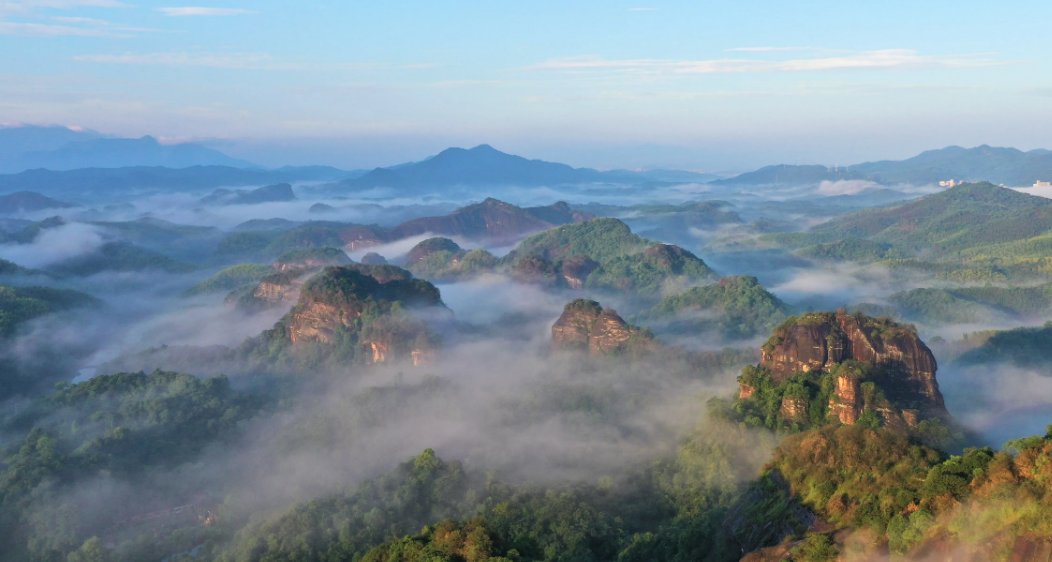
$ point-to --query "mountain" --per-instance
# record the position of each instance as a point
(826, 367)
(1008, 166)
(600, 240)
(734, 307)
(111, 183)
(660, 270)
(487, 166)
(586, 325)
(351, 314)
(490, 220)
(784, 174)
(265, 194)
(28, 202)
(119, 153)
(441, 259)
(981, 224)
(16, 141)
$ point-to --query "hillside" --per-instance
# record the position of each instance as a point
(662, 269)
(265, 194)
(121, 257)
(28, 202)
(970, 233)
(600, 239)
(784, 174)
(21, 304)
(490, 220)
(734, 308)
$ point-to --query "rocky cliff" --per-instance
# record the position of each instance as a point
(367, 311)
(586, 325)
(847, 368)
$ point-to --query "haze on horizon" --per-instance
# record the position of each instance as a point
(599, 84)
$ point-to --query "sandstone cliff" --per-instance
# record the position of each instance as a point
(586, 325)
(873, 365)
(366, 311)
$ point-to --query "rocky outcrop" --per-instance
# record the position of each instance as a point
(575, 270)
(846, 404)
(902, 365)
(586, 325)
(354, 305)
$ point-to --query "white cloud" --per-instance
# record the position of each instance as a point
(50, 30)
(211, 60)
(770, 49)
(199, 11)
(882, 59)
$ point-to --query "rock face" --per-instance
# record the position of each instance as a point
(353, 306)
(586, 325)
(575, 270)
(877, 365)
(818, 341)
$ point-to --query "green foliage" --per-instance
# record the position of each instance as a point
(601, 239)
(448, 541)
(231, 278)
(662, 269)
(321, 256)
(21, 304)
(126, 425)
(973, 304)
(1025, 347)
(849, 249)
(736, 307)
(444, 265)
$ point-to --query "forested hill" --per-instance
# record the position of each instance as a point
(961, 218)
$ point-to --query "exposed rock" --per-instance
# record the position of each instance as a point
(585, 324)
(846, 403)
(333, 305)
(575, 270)
(794, 408)
(818, 341)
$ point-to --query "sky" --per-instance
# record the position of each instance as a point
(713, 86)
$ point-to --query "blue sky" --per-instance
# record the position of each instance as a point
(701, 85)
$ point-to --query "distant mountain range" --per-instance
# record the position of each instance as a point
(1007, 166)
(94, 160)
(106, 183)
(486, 166)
